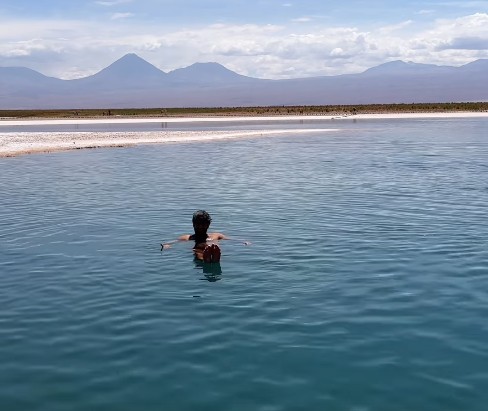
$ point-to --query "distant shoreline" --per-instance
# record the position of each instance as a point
(232, 112)
(127, 120)
(13, 143)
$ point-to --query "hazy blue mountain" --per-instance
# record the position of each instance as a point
(401, 67)
(206, 73)
(477, 65)
(129, 71)
(21, 79)
(22, 76)
(21, 87)
(133, 82)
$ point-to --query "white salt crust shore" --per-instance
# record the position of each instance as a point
(125, 120)
(14, 144)
(17, 143)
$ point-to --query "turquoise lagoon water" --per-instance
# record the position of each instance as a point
(365, 287)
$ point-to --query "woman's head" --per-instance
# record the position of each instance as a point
(201, 220)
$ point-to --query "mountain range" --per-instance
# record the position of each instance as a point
(135, 83)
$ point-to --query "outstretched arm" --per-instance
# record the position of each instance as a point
(168, 244)
(224, 237)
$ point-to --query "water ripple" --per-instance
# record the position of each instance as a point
(365, 288)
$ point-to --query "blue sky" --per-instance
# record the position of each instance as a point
(261, 38)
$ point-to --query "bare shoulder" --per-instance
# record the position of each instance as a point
(185, 237)
(217, 236)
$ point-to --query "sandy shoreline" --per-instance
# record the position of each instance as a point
(18, 143)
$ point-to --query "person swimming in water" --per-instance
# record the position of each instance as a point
(205, 248)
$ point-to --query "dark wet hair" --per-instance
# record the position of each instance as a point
(201, 216)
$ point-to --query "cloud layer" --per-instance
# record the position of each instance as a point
(305, 46)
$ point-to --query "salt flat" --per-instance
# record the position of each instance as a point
(125, 120)
(13, 144)
(16, 143)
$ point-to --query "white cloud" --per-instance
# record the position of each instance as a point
(120, 16)
(461, 4)
(465, 43)
(72, 48)
(301, 20)
(445, 31)
(337, 52)
(13, 52)
(112, 3)
(395, 27)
